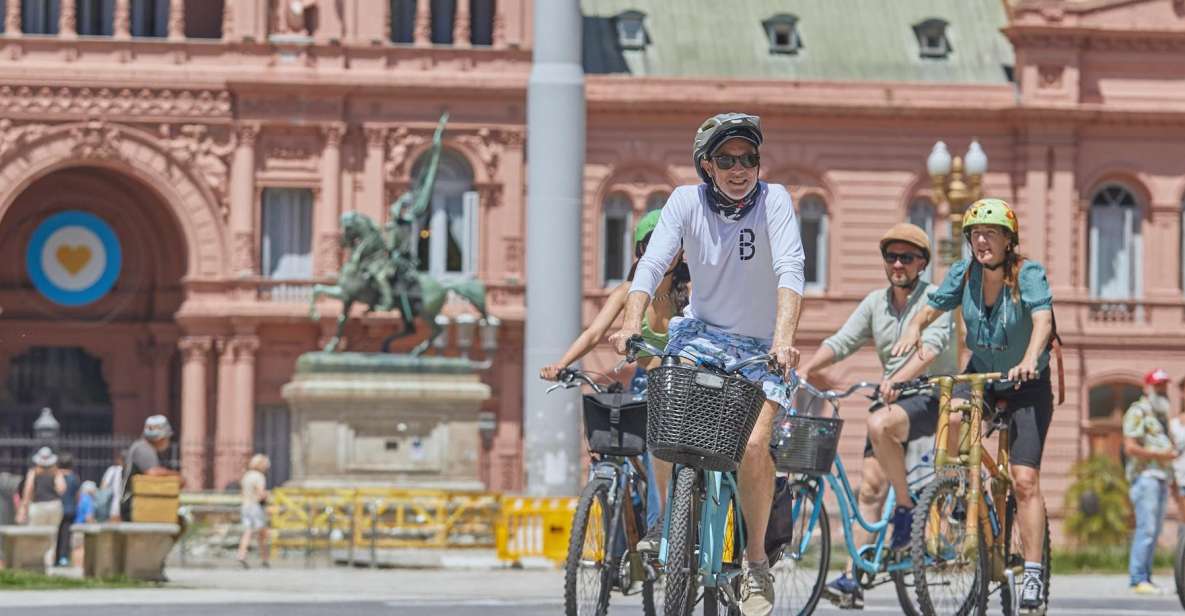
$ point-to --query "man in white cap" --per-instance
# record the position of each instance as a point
(143, 458)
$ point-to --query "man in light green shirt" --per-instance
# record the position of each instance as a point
(880, 318)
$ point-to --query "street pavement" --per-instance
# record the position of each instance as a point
(504, 592)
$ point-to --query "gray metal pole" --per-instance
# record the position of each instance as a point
(555, 177)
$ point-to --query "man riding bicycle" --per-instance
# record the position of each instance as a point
(1008, 310)
(744, 252)
(880, 317)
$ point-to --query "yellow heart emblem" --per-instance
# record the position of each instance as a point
(73, 258)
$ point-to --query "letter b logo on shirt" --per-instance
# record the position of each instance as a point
(748, 248)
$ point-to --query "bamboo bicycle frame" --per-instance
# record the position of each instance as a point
(972, 455)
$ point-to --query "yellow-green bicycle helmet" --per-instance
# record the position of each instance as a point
(991, 212)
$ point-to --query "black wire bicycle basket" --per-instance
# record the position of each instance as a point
(805, 442)
(700, 418)
(615, 423)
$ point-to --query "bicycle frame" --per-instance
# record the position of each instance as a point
(971, 457)
(719, 490)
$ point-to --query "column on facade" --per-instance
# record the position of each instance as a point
(244, 426)
(242, 201)
(122, 26)
(461, 24)
(374, 195)
(176, 20)
(67, 19)
(326, 225)
(423, 30)
(12, 18)
(195, 355)
(226, 446)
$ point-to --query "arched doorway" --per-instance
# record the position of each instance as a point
(117, 344)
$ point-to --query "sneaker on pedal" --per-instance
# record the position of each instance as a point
(652, 540)
(1032, 595)
(845, 593)
(902, 527)
(757, 596)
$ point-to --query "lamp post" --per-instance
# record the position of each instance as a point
(958, 182)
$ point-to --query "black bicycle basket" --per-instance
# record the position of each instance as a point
(615, 423)
(806, 444)
(700, 418)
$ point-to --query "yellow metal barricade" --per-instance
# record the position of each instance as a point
(534, 527)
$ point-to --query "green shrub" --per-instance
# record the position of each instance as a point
(1098, 509)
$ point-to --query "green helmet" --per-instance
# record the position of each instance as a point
(991, 212)
(646, 226)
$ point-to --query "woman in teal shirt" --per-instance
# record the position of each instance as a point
(1008, 312)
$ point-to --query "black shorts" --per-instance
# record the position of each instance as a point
(1031, 408)
(922, 410)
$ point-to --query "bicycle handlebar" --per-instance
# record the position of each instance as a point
(831, 394)
(569, 378)
(637, 344)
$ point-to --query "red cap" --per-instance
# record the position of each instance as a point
(1156, 377)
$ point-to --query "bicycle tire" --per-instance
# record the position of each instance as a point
(577, 603)
(680, 585)
(905, 597)
(790, 560)
(1009, 524)
(976, 600)
(1179, 571)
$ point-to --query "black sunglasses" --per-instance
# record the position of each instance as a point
(906, 258)
(727, 161)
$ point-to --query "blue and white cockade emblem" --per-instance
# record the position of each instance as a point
(74, 258)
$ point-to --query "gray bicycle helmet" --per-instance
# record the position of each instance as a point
(720, 128)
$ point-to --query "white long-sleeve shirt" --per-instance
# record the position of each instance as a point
(736, 266)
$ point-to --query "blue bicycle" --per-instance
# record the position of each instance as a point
(700, 419)
(805, 448)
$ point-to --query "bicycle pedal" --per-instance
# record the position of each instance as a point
(853, 601)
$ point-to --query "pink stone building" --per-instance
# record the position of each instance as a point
(218, 143)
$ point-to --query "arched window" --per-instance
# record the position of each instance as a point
(656, 200)
(448, 231)
(921, 213)
(1116, 251)
(812, 222)
(616, 239)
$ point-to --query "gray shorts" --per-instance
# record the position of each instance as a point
(253, 516)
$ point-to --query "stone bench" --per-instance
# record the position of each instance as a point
(24, 547)
(134, 549)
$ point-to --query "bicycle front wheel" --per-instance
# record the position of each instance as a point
(801, 569)
(587, 570)
(948, 581)
(682, 565)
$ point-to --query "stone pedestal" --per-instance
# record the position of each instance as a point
(387, 420)
(136, 550)
(24, 547)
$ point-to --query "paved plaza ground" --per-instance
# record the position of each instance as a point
(363, 592)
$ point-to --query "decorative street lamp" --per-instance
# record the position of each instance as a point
(959, 182)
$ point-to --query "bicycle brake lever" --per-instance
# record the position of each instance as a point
(554, 387)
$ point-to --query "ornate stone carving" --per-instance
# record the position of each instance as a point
(243, 258)
(328, 257)
(195, 348)
(399, 142)
(13, 136)
(176, 19)
(244, 347)
(123, 19)
(1050, 77)
(96, 139)
(209, 158)
(333, 134)
(376, 136)
(67, 21)
(247, 133)
(88, 102)
(12, 18)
